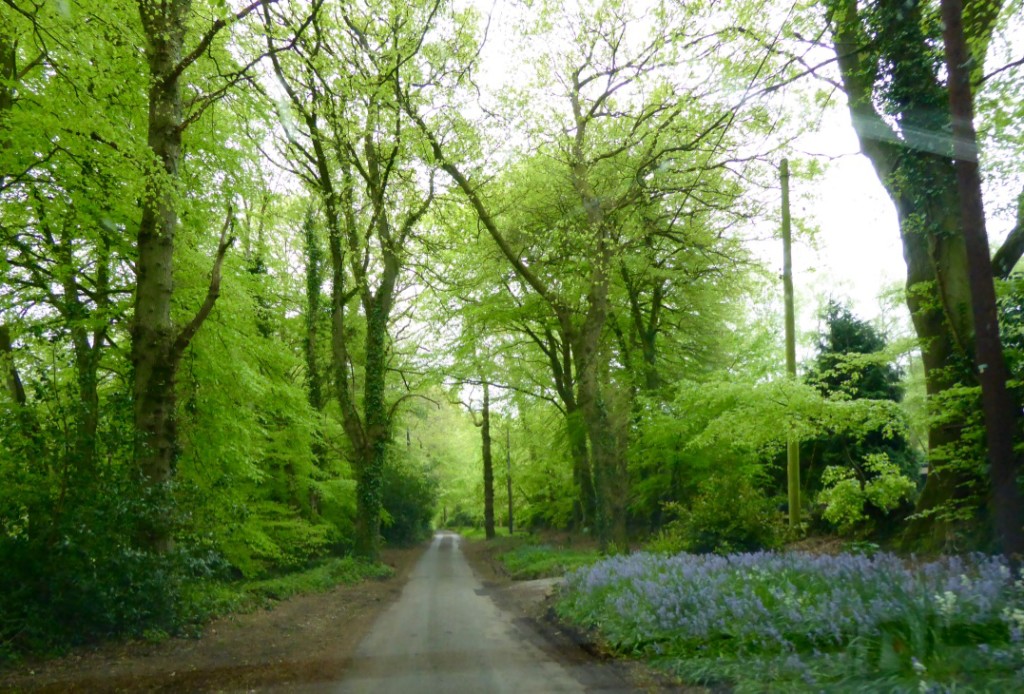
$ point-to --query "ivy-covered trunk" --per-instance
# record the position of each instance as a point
(370, 461)
(153, 362)
(584, 506)
(611, 484)
(606, 452)
(938, 297)
(888, 60)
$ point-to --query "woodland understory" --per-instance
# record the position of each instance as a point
(286, 281)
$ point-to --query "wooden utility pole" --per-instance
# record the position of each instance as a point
(996, 400)
(508, 475)
(792, 446)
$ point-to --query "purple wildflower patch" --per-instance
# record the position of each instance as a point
(799, 607)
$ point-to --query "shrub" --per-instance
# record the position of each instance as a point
(728, 514)
(848, 497)
(409, 497)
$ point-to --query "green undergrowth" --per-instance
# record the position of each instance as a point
(216, 598)
(468, 532)
(196, 602)
(530, 561)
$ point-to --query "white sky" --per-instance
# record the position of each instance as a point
(858, 255)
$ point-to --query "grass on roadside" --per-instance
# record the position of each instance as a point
(212, 599)
(530, 561)
(525, 556)
(468, 532)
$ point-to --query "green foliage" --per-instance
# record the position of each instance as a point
(847, 496)
(543, 488)
(728, 514)
(270, 537)
(854, 362)
(317, 579)
(72, 570)
(73, 575)
(851, 359)
(531, 561)
(409, 498)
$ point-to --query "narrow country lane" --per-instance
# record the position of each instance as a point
(444, 635)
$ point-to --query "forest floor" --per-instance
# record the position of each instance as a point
(307, 642)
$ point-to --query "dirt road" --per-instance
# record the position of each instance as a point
(445, 635)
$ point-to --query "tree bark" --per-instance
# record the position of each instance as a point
(488, 460)
(582, 471)
(607, 437)
(996, 399)
(311, 344)
(1009, 254)
(153, 333)
(314, 295)
(12, 380)
(915, 168)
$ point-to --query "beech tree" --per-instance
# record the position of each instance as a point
(629, 135)
(348, 141)
(157, 342)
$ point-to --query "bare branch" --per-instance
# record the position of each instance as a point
(190, 330)
(207, 39)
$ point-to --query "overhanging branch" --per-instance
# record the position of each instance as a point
(190, 330)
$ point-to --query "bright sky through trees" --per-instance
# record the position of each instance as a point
(856, 254)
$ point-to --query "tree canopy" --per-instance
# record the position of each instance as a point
(286, 280)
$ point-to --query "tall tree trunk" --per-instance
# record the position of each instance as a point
(87, 353)
(153, 335)
(939, 300)
(314, 295)
(915, 168)
(370, 464)
(485, 434)
(605, 436)
(157, 346)
(997, 402)
(311, 344)
(576, 427)
(606, 440)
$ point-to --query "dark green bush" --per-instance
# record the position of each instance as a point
(409, 496)
(728, 514)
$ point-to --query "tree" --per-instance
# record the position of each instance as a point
(838, 370)
(852, 364)
(629, 138)
(352, 149)
(998, 405)
(157, 343)
(891, 67)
